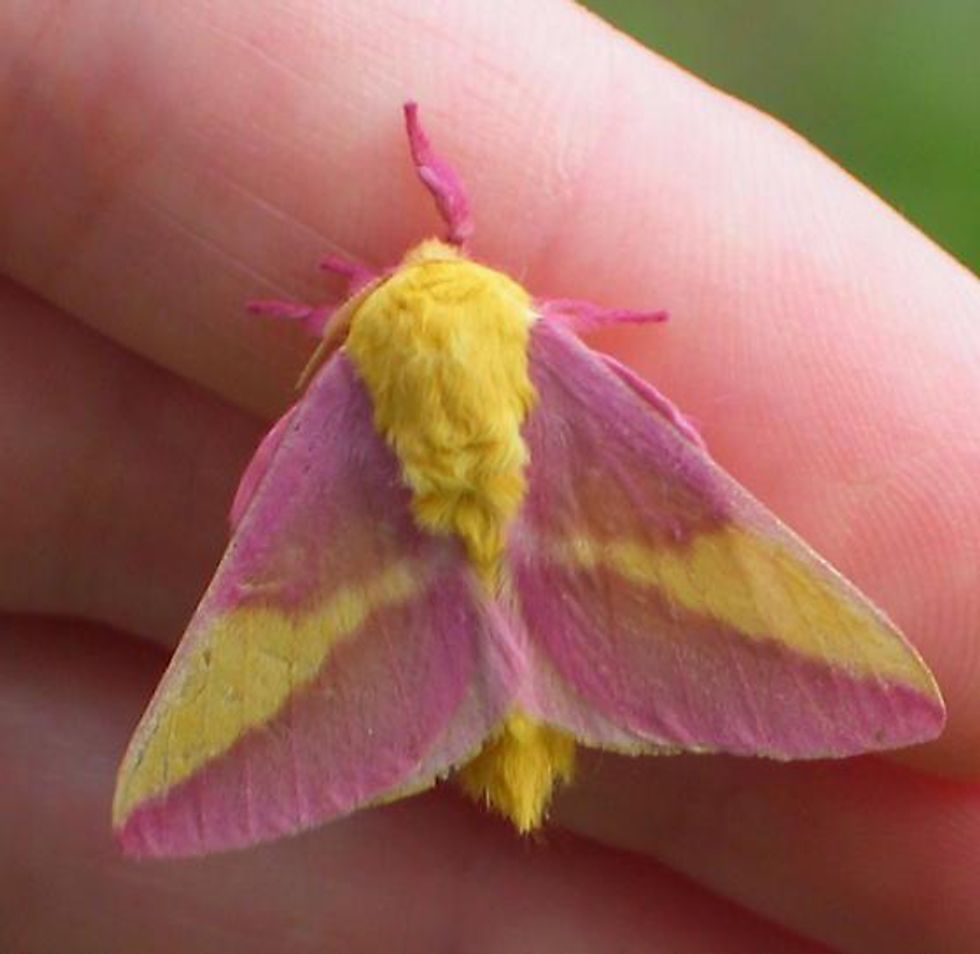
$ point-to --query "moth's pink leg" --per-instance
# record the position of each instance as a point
(655, 399)
(257, 467)
(440, 179)
(578, 316)
(358, 276)
(313, 318)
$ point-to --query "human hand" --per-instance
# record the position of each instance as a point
(163, 164)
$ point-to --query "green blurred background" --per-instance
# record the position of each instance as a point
(888, 88)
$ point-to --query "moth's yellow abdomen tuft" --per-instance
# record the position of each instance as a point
(442, 348)
(518, 769)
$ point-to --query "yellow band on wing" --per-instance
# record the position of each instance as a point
(758, 586)
(238, 675)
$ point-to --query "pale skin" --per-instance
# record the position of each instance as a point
(162, 164)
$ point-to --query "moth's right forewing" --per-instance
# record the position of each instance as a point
(667, 608)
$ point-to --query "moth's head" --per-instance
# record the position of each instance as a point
(432, 250)
(453, 205)
(438, 284)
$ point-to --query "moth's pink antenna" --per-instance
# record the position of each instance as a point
(440, 179)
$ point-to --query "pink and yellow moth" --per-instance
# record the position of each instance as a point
(473, 545)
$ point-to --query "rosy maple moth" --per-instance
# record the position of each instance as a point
(473, 545)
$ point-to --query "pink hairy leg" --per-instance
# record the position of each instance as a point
(315, 318)
(584, 316)
(257, 467)
(661, 404)
(440, 179)
(580, 316)
(358, 276)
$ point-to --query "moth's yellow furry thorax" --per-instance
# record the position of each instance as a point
(442, 348)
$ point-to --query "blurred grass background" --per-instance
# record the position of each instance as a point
(888, 88)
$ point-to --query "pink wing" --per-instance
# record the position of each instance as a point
(339, 657)
(667, 608)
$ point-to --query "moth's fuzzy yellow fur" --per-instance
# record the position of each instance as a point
(442, 348)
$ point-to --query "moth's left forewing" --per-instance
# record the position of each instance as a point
(667, 608)
(340, 656)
